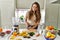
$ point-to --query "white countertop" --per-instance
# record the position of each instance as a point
(38, 38)
(6, 37)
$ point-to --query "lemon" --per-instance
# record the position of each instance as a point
(48, 34)
(18, 39)
(12, 37)
(52, 36)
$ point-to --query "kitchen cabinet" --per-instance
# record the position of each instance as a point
(53, 14)
(23, 4)
(59, 17)
(7, 9)
(0, 18)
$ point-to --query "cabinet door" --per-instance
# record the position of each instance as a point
(0, 18)
(59, 18)
(51, 14)
(23, 4)
(7, 12)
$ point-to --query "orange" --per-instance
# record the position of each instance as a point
(14, 33)
(51, 27)
(47, 28)
(52, 36)
(1, 29)
(47, 36)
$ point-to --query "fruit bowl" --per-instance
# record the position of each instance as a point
(48, 39)
(50, 32)
(50, 35)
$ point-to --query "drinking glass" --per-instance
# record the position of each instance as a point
(40, 29)
(15, 22)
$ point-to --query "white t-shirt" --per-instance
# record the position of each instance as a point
(32, 21)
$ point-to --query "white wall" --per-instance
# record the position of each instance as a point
(49, 1)
(7, 8)
(28, 3)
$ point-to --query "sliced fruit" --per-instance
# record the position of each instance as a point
(12, 37)
(48, 34)
(14, 33)
(37, 35)
(1, 29)
(52, 36)
(18, 39)
(31, 33)
(49, 27)
(24, 33)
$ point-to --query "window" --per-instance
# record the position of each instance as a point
(22, 12)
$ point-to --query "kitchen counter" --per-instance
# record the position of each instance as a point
(38, 38)
(6, 37)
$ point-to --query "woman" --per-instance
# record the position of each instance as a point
(33, 16)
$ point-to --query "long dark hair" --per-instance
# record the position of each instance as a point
(37, 13)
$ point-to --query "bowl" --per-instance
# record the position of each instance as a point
(51, 34)
(48, 39)
(8, 31)
(2, 34)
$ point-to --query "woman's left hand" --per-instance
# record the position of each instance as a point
(34, 25)
(32, 30)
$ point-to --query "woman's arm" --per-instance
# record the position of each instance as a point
(36, 24)
(26, 20)
(38, 21)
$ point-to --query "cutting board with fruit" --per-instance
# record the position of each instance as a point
(23, 34)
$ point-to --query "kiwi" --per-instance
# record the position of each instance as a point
(31, 33)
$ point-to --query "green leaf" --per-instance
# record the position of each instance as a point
(55, 28)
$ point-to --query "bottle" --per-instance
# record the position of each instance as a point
(16, 28)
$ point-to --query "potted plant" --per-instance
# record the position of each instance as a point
(22, 18)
